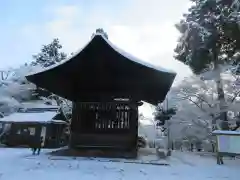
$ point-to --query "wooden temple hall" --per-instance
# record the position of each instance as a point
(106, 85)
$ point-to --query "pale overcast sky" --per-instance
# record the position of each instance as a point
(144, 28)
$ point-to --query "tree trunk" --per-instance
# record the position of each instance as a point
(221, 99)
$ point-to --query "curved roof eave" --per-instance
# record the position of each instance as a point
(114, 47)
(135, 59)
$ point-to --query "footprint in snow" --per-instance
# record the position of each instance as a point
(143, 172)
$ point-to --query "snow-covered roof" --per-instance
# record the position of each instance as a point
(38, 104)
(226, 132)
(43, 117)
(117, 49)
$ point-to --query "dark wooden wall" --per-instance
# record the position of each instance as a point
(109, 124)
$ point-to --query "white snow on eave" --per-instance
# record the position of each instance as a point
(133, 58)
(30, 117)
(58, 121)
(226, 132)
(120, 51)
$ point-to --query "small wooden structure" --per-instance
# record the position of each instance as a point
(228, 144)
(106, 85)
(21, 129)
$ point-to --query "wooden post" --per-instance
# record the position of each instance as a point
(219, 156)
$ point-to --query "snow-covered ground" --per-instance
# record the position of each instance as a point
(16, 164)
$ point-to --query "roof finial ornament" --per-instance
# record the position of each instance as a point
(100, 31)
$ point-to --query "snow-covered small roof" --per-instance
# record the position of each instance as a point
(38, 104)
(43, 117)
(226, 132)
(114, 47)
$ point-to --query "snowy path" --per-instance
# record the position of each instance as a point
(17, 164)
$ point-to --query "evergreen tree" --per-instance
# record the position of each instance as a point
(50, 54)
(210, 37)
(162, 115)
